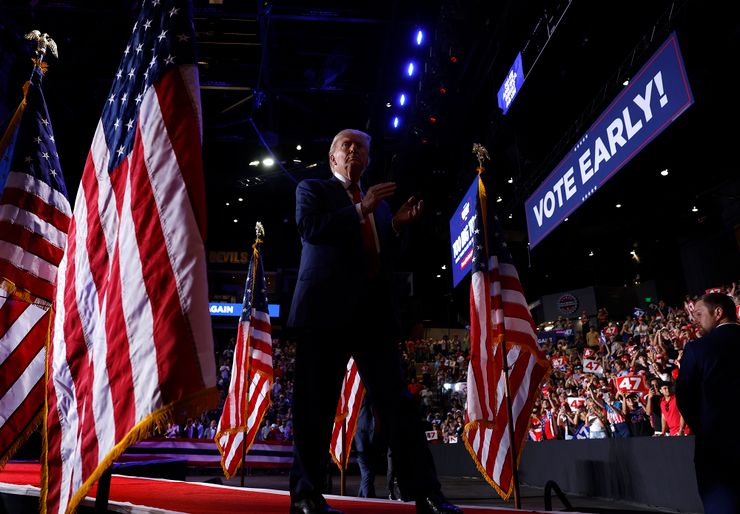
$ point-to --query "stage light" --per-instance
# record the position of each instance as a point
(254, 163)
(444, 266)
(618, 206)
(396, 122)
(236, 220)
(566, 219)
(402, 99)
(268, 162)
(388, 105)
(438, 275)
(419, 37)
(227, 204)
(240, 199)
(511, 180)
(443, 90)
(410, 69)
(591, 253)
(694, 209)
(499, 200)
(298, 147)
(432, 119)
(312, 165)
(664, 172)
(453, 59)
(626, 82)
(511, 216)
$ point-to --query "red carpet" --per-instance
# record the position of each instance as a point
(199, 498)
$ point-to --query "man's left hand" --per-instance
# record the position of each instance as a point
(409, 211)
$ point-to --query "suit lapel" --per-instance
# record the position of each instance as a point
(339, 193)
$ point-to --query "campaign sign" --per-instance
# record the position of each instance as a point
(592, 366)
(462, 226)
(654, 98)
(631, 384)
(512, 84)
(558, 363)
(235, 309)
(576, 401)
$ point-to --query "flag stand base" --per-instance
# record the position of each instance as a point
(103, 494)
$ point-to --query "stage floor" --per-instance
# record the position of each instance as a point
(265, 494)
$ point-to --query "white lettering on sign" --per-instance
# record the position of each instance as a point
(464, 239)
(465, 211)
(221, 309)
(604, 146)
(509, 88)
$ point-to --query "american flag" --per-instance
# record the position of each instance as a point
(131, 337)
(348, 410)
(499, 313)
(34, 216)
(244, 410)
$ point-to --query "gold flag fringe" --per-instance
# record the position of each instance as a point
(142, 430)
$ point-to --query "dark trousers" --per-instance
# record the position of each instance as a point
(321, 361)
(719, 488)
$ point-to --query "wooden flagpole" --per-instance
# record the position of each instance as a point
(481, 153)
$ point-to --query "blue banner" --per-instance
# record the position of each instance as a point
(654, 98)
(512, 84)
(6, 155)
(462, 225)
(235, 309)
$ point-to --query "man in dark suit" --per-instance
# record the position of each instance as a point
(707, 391)
(342, 307)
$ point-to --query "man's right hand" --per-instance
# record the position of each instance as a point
(376, 194)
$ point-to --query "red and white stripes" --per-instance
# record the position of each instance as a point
(243, 410)
(499, 313)
(132, 335)
(345, 420)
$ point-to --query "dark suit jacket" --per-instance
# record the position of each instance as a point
(333, 289)
(708, 393)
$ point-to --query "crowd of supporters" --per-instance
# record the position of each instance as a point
(610, 378)
(615, 378)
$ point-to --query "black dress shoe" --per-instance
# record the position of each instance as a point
(312, 506)
(436, 504)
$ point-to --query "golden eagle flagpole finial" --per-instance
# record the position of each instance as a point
(480, 153)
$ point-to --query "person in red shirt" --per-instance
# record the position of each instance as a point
(673, 423)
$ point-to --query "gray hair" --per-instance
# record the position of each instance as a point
(362, 135)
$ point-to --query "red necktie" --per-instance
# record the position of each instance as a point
(368, 237)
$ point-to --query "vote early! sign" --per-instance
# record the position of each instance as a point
(654, 98)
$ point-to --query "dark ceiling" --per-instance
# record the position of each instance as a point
(279, 74)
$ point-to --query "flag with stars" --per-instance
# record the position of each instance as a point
(131, 337)
(499, 315)
(34, 216)
(251, 372)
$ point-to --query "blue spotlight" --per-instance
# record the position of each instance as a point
(402, 99)
(395, 122)
(419, 37)
(410, 69)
